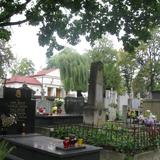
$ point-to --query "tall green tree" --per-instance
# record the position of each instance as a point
(6, 58)
(103, 51)
(92, 18)
(74, 69)
(128, 66)
(25, 67)
(148, 57)
(140, 82)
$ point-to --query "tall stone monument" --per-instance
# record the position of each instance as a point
(94, 111)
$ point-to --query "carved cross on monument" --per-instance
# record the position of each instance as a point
(94, 112)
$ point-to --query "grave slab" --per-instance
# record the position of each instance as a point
(38, 147)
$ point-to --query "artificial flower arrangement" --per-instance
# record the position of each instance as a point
(8, 121)
(56, 106)
(41, 110)
(58, 102)
(148, 118)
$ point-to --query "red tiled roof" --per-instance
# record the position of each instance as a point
(44, 72)
(23, 79)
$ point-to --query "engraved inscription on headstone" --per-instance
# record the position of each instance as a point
(18, 108)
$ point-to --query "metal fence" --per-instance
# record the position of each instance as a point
(133, 139)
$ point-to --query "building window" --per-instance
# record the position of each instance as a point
(58, 92)
(49, 91)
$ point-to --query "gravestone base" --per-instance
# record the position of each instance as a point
(94, 116)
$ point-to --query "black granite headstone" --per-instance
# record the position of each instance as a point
(74, 105)
(18, 102)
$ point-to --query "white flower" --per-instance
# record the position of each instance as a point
(8, 121)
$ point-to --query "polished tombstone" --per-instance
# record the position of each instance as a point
(38, 147)
(74, 105)
(18, 101)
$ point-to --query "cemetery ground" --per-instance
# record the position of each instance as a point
(119, 140)
(57, 136)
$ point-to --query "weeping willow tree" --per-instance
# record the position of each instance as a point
(74, 69)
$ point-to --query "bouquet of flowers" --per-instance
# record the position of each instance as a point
(8, 121)
(41, 110)
(58, 102)
(148, 119)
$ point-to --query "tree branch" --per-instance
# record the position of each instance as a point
(16, 11)
(27, 1)
(12, 23)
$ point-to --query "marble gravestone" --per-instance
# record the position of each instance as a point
(94, 111)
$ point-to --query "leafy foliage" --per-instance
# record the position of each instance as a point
(148, 57)
(69, 19)
(139, 83)
(4, 149)
(103, 51)
(114, 136)
(128, 66)
(24, 67)
(74, 69)
(6, 57)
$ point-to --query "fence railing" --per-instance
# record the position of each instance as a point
(129, 140)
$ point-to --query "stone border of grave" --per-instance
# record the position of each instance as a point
(113, 155)
(12, 157)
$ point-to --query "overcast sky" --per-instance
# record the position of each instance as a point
(24, 43)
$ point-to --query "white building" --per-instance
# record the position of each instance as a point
(45, 83)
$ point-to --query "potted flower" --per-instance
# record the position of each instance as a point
(58, 102)
(6, 122)
(41, 110)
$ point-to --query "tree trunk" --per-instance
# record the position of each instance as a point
(79, 94)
